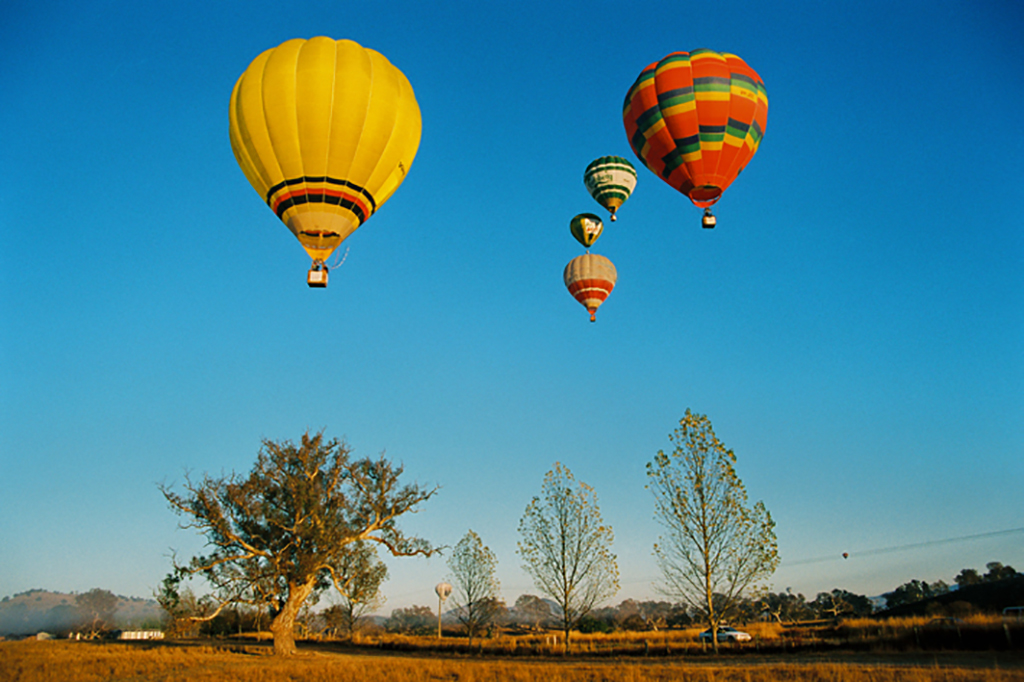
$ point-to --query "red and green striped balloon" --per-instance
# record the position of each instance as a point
(695, 119)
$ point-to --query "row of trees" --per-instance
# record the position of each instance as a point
(478, 608)
(782, 607)
(919, 590)
(308, 518)
(790, 607)
(714, 551)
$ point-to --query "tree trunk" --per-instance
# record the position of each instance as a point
(283, 625)
(710, 597)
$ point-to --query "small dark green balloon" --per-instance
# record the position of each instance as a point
(586, 227)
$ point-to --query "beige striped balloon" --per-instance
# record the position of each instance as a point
(590, 278)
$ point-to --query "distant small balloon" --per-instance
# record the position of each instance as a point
(444, 590)
(586, 227)
(610, 180)
(590, 278)
(846, 555)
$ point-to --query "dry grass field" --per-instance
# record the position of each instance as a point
(977, 633)
(39, 661)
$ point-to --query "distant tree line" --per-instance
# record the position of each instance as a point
(534, 613)
(88, 614)
(309, 518)
(970, 592)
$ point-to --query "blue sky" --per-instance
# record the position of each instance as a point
(853, 327)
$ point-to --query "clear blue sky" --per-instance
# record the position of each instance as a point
(853, 328)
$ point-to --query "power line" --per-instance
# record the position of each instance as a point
(902, 548)
(799, 562)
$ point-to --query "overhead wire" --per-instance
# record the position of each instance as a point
(902, 548)
(820, 559)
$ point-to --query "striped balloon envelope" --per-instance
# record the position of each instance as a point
(610, 180)
(325, 131)
(590, 278)
(695, 119)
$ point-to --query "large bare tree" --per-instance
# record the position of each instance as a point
(716, 548)
(476, 587)
(280, 534)
(566, 547)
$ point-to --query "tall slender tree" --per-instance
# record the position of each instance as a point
(280, 534)
(476, 587)
(566, 547)
(716, 547)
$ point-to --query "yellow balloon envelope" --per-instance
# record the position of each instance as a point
(325, 131)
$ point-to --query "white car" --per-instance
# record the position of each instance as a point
(725, 634)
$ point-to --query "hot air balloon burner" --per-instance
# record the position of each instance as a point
(317, 277)
(709, 220)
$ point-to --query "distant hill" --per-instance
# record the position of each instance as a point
(44, 611)
(990, 597)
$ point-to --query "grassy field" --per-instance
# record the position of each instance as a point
(979, 633)
(39, 661)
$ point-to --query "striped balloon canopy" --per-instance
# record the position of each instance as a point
(695, 119)
(610, 180)
(590, 278)
(325, 131)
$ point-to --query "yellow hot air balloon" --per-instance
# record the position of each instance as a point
(325, 131)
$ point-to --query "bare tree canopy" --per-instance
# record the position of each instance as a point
(566, 548)
(715, 546)
(476, 588)
(358, 577)
(96, 610)
(280, 534)
(417, 620)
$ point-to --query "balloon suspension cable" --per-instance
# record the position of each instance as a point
(340, 262)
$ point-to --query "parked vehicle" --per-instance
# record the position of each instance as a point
(725, 634)
(945, 624)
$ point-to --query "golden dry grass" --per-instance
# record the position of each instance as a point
(32, 661)
(977, 633)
